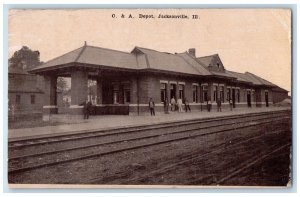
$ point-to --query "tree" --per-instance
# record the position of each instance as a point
(25, 58)
(62, 84)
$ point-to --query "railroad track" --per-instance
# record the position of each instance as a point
(253, 161)
(106, 138)
(40, 140)
(43, 159)
(168, 167)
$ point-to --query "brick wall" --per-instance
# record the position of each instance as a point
(279, 96)
(25, 106)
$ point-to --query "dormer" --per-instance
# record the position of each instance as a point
(212, 62)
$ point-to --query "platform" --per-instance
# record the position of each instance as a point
(121, 121)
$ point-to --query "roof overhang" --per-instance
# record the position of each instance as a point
(61, 69)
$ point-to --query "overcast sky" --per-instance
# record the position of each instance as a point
(254, 40)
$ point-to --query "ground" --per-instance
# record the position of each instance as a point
(30, 122)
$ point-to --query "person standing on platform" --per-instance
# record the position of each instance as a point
(230, 104)
(179, 104)
(86, 109)
(89, 108)
(219, 105)
(151, 107)
(173, 103)
(187, 105)
(208, 105)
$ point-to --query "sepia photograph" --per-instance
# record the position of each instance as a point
(150, 98)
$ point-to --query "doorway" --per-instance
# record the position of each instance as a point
(249, 98)
(233, 98)
(267, 99)
(173, 91)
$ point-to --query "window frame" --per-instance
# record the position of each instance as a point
(222, 94)
(181, 91)
(195, 93)
(163, 92)
(205, 92)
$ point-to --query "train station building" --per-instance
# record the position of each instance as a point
(127, 80)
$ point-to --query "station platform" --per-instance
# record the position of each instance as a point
(121, 121)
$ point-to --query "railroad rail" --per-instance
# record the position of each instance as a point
(42, 159)
(187, 159)
(130, 129)
(252, 161)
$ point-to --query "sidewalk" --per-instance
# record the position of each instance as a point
(116, 121)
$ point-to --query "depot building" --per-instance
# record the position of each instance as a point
(127, 80)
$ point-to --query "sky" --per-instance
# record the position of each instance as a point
(253, 40)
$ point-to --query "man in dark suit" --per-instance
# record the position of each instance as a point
(87, 105)
(219, 105)
(151, 107)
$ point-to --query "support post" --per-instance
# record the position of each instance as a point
(79, 90)
(50, 98)
(99, 91)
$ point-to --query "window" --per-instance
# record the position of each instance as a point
(32, 99)
(215, 92)
(163, 92)
(195, 93)
(18, 99)
(205, 93)
(116, 98)
(115, 94)
(126, 96)
(267, 98)
(222, 94)
(181, 91)
(173, 91)
(228, 94)
(126, 92)
(238, 95)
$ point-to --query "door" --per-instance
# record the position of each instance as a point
(233, 98)
(267, 98)
(249, 98)
(173, 91)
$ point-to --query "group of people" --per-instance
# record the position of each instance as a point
(175, 106)
(219, 105)
(178, 106)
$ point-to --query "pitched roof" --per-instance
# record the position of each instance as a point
(94, 55)
(107, 57)
(258, 80)
(194, 63)
(279, 89)
(69, 57)
(143, 58)
(170, 62)
(239, 76)
(223, 74)
(206, 60)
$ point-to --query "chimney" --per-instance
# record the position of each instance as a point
(192, 52)
(85, 43)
